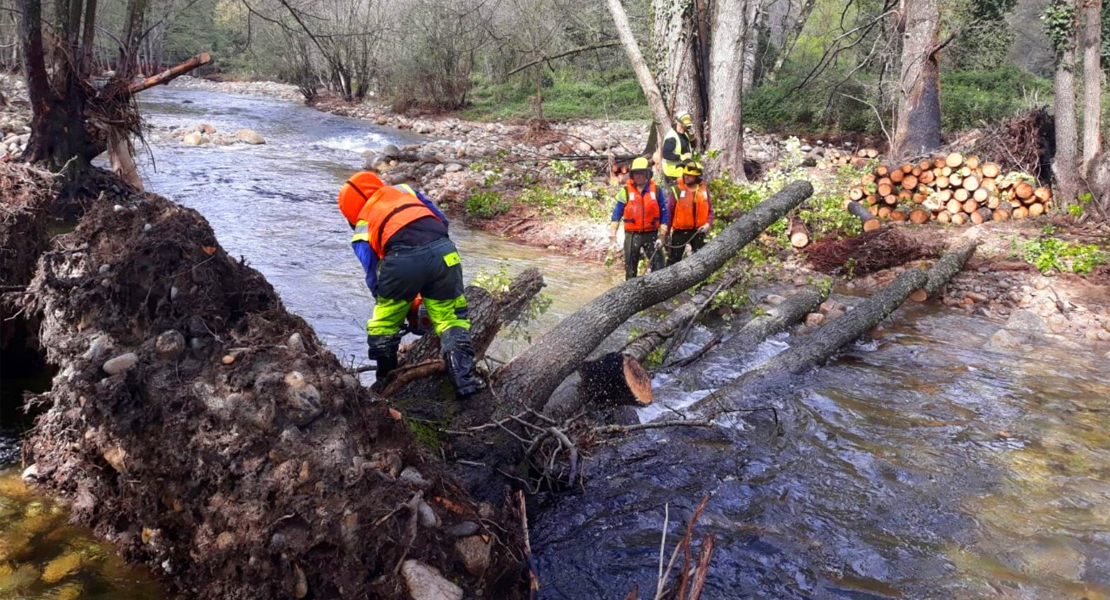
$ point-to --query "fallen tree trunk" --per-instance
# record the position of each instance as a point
(619, 377)
(530, 378)
(776, 319)
(212, 436)
(828, 340)
(819, 346)
(170, 74)
(948, 265)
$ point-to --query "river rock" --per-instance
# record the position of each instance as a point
(1025, 321)
(815, 319)
(296, 343)
(249, 136)
(474, 552)
(170, 344)
(453, 168)
(381, 120)
(391, 151)
(426, 583)
(428, 517)
(206, 128)
(463, 529)
(121, 363)
(1003, 339)
(193, 139)
(414, 477)
(774, 299)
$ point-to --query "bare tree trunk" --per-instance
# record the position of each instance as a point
(790, 38)
(918, 128)
(88, 37)
(726, 60)
(643, 74)
(531, 377)
(120, 157)
(1092, 81)
(132, 35)
(673, 53)
(1065, 165)
(752, 22)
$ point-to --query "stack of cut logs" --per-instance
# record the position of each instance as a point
(833, 158)
(949, 189)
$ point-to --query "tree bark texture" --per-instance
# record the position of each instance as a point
(1065, 165)
(726, 60)
(132, 35)
(752, 24)
(643, 74)
(673, 52)
(530, 378)
(678, 318)
(1092, 81)
(951, 263)
(918, 128)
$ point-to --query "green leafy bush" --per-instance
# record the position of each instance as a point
(486, 204)
(1049, 253)
(972, 98)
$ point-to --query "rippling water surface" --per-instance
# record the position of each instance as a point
(919, 465)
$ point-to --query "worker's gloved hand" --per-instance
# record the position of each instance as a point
(703, 228)
(659, 242)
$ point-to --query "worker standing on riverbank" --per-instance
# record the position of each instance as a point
(691, 213)
(401, 239)
(643, 210)
(678, 147)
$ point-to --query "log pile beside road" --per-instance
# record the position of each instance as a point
(953, 189)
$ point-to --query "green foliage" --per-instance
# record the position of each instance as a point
(972, 98)
(780, 107)
(1049, 253)
(573, 196)
(486, 204)
(497, 283)
(1060, 23)
(567, 94)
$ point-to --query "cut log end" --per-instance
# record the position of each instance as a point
(919, 295)
(638, 380)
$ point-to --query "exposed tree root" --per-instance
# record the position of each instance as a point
(866, 253)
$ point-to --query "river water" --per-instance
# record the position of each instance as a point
(918, 465)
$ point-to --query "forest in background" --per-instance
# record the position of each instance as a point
(815, 65)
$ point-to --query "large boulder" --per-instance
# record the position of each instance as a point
(193, 139)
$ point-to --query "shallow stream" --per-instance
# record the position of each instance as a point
(919, 465)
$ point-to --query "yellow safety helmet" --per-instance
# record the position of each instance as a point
(692, 168)
(640, 164)
(685, 119)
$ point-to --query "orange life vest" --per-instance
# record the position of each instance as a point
(691, 208)
(385, 213)
(641, 213)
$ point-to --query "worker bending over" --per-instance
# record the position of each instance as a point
(678, 147)
(401, 239)
(691, 213)
(643, 211)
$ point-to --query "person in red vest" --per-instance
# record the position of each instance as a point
(643, 210)
(691, 213)
(400, 238)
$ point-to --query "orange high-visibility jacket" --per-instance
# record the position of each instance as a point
(691, 207)
(385, 213)
(641, 213)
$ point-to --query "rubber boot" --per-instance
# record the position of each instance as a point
(458, 356)
(383, 350)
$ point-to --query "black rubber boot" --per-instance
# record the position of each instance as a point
(458, 356)
(383, 350)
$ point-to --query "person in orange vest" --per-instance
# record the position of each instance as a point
(691, 213)
(643, 210)
(401, 239)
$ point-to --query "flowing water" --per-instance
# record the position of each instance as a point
(919, 465)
